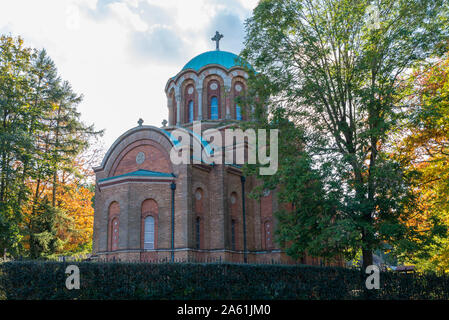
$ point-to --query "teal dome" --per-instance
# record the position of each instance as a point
(223, 58)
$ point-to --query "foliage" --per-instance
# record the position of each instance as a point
(105, 281)
(42, 141)
(423, 148)
(335, 72)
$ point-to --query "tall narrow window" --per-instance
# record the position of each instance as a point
(233, 234)
(115, 234)
(113, 226)
(198, 232)
(175, 111)
(268, 236)
(214, 108)
(149, 233)
(190, 111)
(238, 112)
(238, 92)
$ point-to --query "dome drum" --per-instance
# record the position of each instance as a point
(206, 87)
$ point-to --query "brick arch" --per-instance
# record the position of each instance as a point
(178, 82)
(149, 207)
(202, 186)
(199, 76)
(156, 158)
(149, 133)
(113, 225)
(218, 71)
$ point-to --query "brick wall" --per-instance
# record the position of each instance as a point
(132, 201)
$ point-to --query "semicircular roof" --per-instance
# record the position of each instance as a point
(223, 58)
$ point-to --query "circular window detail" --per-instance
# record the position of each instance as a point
(140, 158)
(198, 195)
(190, 90)
(213, 86)
(238, 88)
(233, 198)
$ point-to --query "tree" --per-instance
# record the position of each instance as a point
(423, 149)
(41, 141)
(335, 67)
(15, 113)
(59, 139)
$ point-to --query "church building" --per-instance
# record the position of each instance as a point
(149, 209)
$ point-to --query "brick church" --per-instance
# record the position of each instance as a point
(149, 209)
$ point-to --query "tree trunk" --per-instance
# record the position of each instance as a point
(367, 256)
(55, 158)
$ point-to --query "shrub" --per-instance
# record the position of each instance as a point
(46, 280)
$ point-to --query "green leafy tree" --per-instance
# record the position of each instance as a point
(423, 149)
(334, 68)
(41, 136)
(59, 138)
(15, 113)
(43, 239)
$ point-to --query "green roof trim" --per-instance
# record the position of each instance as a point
(142, 173)
(222, 58)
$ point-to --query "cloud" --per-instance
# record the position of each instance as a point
(154, 14)
(125, 15)
(120, 53)
(160, 44)
(231, 26)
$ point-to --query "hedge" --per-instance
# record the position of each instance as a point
(222, 281)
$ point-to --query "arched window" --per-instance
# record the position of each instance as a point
(199, 201)
(149, 233)
(238, 112)
(190, 111)
(233, 234)
(114, 223)
(198, 232)
(238, 92)
(149, 224)
(235, 211)
(175, 111)
(114, 233)
(268, 235)
(214, 108)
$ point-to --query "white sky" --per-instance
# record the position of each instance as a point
(120, 53)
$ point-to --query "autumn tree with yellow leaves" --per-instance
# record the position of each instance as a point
(45, 190)
(423, 147)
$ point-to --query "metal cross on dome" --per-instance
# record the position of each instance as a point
(140, 122)
(217, 39)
